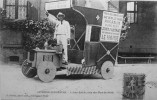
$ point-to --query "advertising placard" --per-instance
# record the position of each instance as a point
(111, 27)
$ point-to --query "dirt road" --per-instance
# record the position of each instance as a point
(15, 86)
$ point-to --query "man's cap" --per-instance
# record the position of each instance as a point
(60, 14)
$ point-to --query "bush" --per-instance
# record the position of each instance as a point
(125, 28)
(35, 33)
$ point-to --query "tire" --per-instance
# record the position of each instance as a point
(28, 70)
(46, 71)
(107, 70)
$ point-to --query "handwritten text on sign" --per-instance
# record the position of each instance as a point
(111, 26)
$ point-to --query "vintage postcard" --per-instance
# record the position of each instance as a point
(78, 50)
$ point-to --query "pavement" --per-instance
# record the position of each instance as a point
(15, 86)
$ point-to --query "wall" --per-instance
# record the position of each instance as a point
(10, 42)
(11, 45)
(1, 6)
(142, 36)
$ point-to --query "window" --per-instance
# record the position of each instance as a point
(132, 12)
(92, 33)
(14, 58)
(16, 9)
(95, 34)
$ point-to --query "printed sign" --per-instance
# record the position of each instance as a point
(57, 5)
(133, 86)
(111, 26)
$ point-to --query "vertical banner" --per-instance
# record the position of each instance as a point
(111, 27)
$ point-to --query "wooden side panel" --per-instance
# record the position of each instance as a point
(41, 56)
(91, 50)
(107, 52)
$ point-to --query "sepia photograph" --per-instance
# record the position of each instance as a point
(78, 49)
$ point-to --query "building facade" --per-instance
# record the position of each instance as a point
(142, 35)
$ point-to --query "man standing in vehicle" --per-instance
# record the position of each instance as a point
(62, 34)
